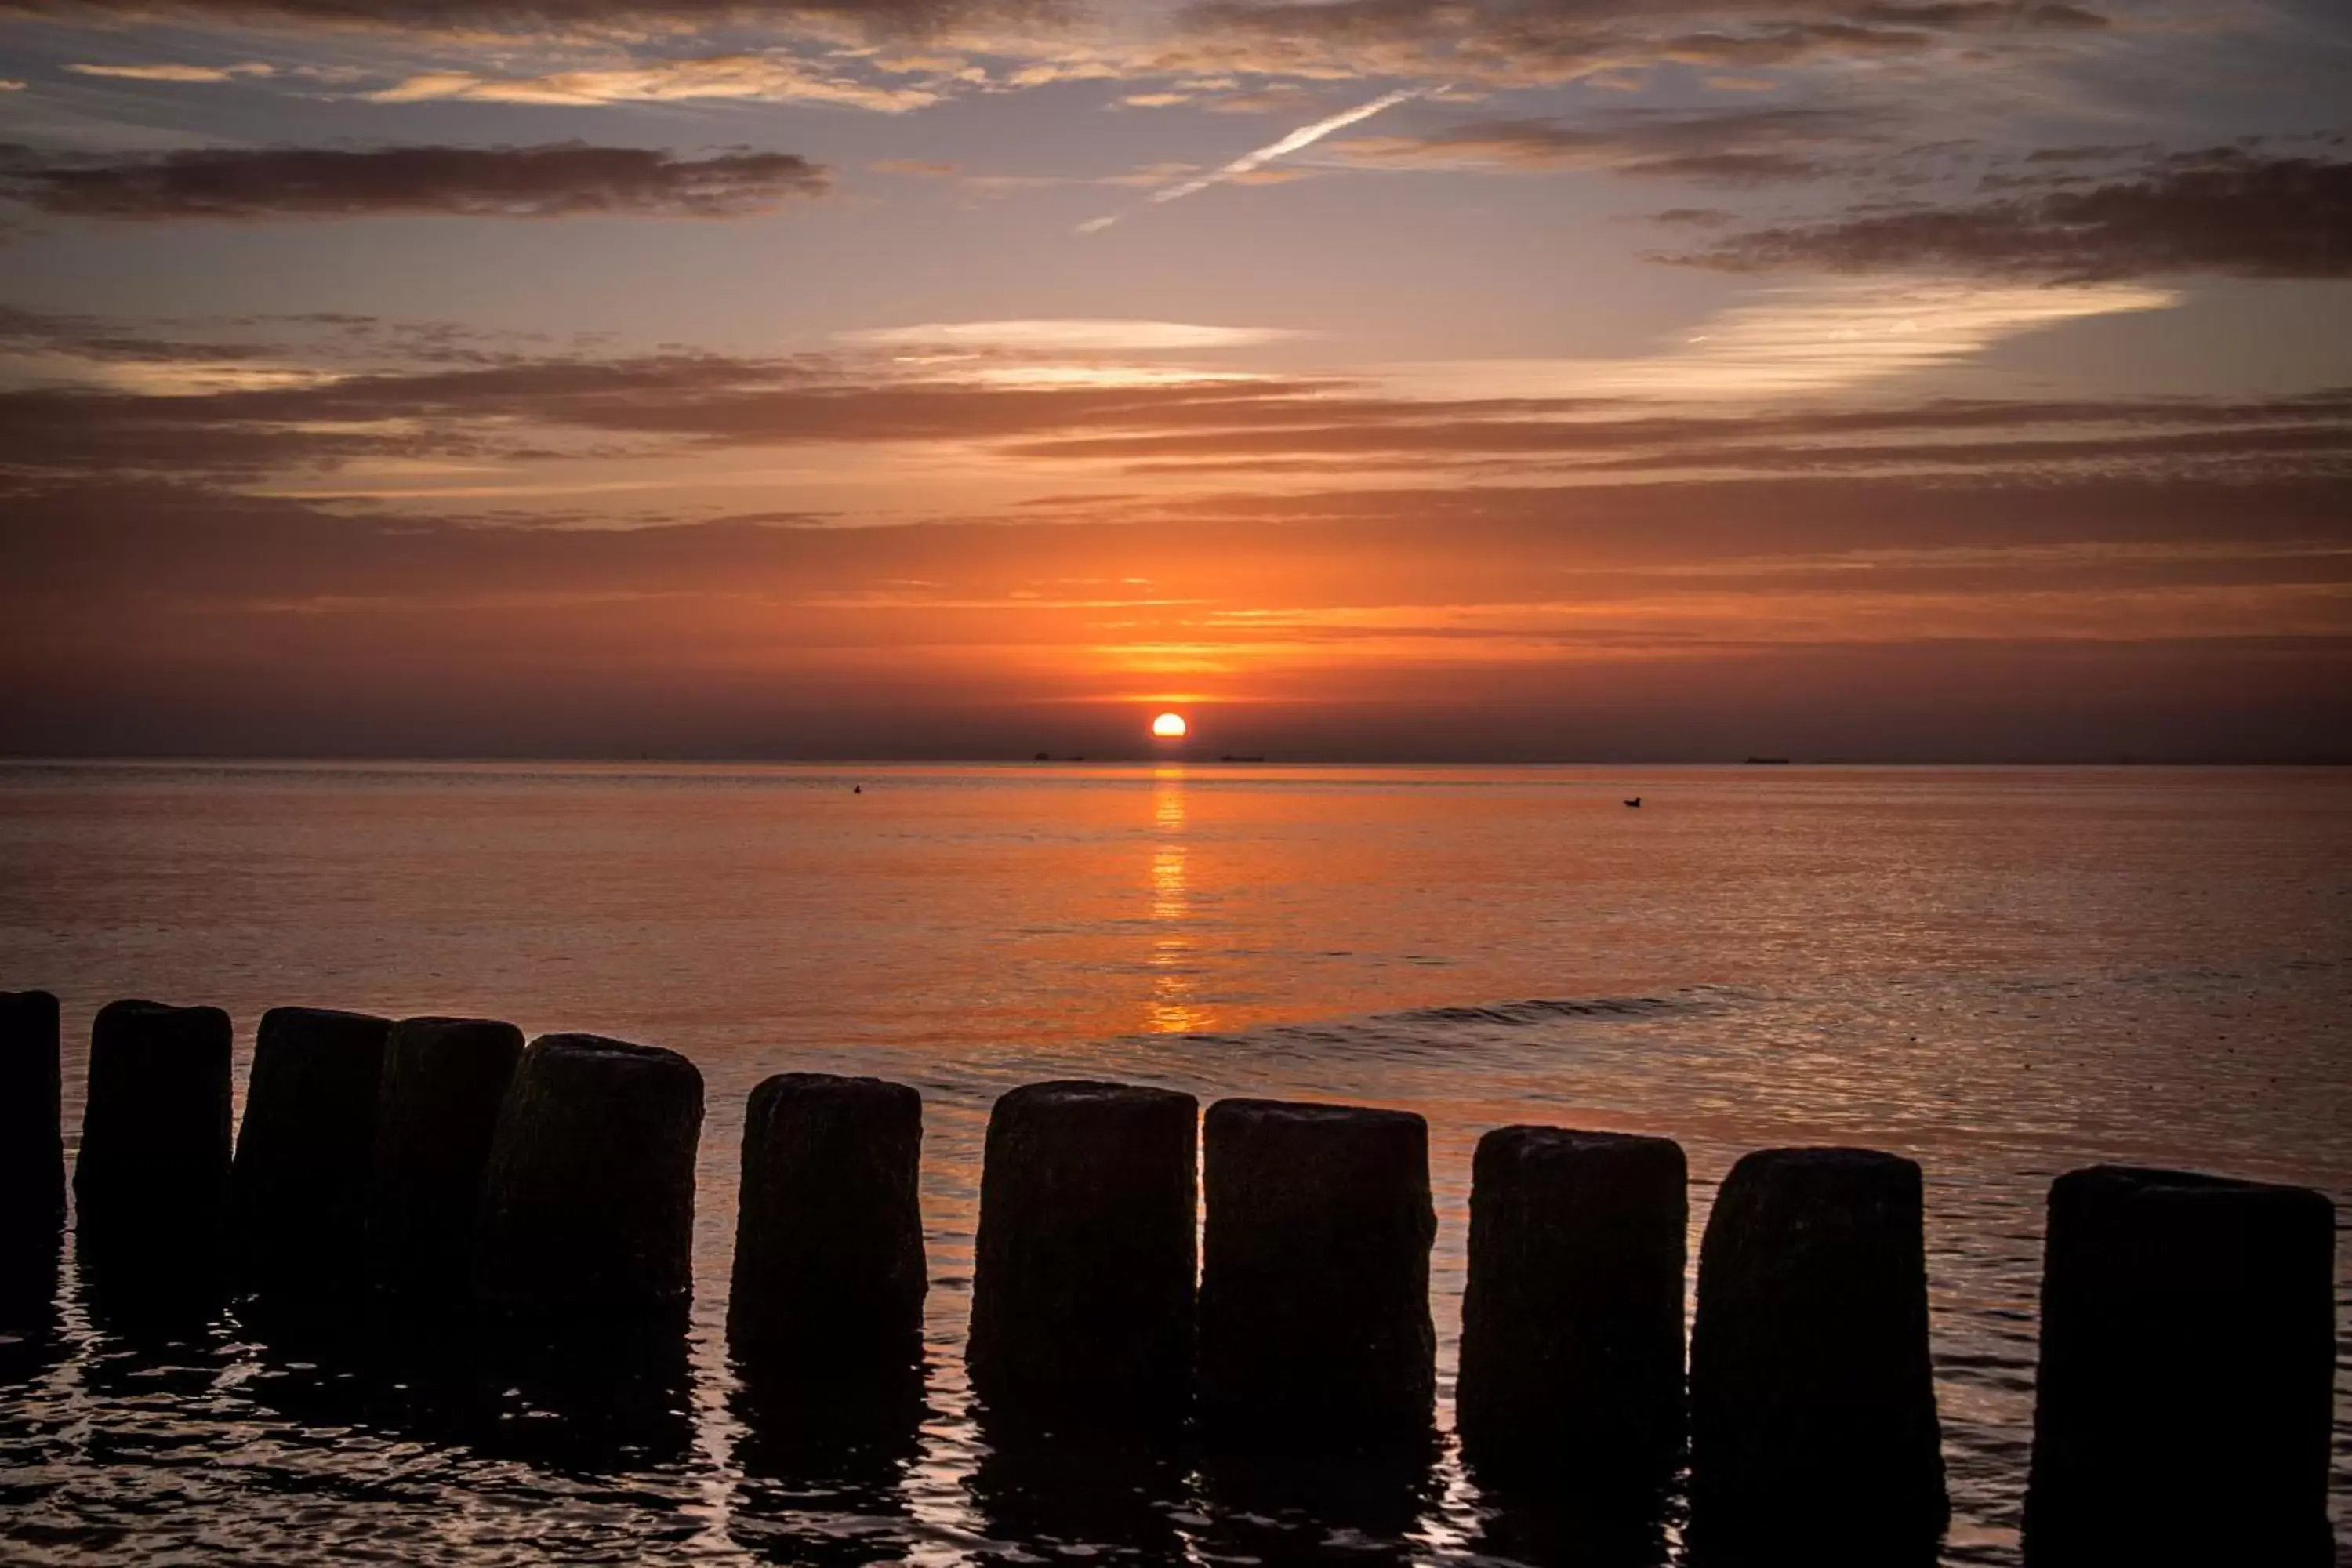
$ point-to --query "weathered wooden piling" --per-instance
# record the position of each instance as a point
(1083, 1276)
(297, 1187)
(2185, 1394)
(1572, 1317)
(1315, 1282)
(438, 1108)
(588, 1201)
(1812, 1400)
(829, 1272)
(32, 1141)
(154, 1163)
(32, 1154)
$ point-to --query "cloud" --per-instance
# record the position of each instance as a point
(1066, 336)
(1408, 544)
(1476, 551)
(170, 72)
(1795, 341)
(1522, 43)
(259, 185)
(1251, 163)
(464, 19)
(1957, 438)
(1743, 147)
(203, 411)
(1893, 620)
(1288, 57)
(2230, 210)
(145, 406)
(771, 77)
(1989, 16)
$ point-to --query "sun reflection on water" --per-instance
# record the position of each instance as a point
(1172, 1008)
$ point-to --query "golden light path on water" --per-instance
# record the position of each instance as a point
(1173, 1010)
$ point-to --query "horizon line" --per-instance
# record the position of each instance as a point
(171, 758)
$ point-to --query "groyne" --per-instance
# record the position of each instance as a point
(1254, 1277)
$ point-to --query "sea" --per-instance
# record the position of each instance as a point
(2002, 974)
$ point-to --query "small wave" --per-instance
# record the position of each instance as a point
(1418, 1031)
(1540, 1010)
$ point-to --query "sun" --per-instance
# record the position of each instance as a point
(1170, 727)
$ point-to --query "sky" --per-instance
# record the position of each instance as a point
(1607, 380)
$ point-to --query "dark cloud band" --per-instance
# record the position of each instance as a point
(478, 17)
(2228, 211)
(260, 184)
(1733, 148)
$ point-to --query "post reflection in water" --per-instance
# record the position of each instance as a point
(822, 1469)
(1550, 1517)
(1111, 1495)
(1324, 1496)
(607, 1402)
(1173, 1009)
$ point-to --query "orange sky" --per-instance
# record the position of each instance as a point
(1586, 379)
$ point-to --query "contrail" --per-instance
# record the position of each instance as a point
(1305, 136)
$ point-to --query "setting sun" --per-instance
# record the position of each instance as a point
(1170, 727)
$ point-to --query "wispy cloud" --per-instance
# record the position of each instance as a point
(1740, 147)
(1249, 162)
(1801, 342)
(173, 71)
(1066, 336)
(773, 76)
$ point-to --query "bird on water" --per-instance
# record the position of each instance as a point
(1635, 801)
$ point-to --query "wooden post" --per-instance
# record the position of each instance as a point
(1315, 1283)
(588, 1201)
(154, 1163)
(2183, 1405)
(829, 1272)
(1083, 1276)
(305, 1152)
(32, 1156)
(1813, 1400)
(1573, 1317)
(444, 1081)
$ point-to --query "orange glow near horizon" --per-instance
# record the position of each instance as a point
(1170, 727)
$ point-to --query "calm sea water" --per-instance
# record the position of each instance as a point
(2001, 974)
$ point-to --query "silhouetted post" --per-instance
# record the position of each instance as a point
(1315, 1282)
(438, 1106)
(153, 1162)
(32, 1153)
(1813, 1400)
(825, 1313)
(588, 1204)
(298, 1189)
(2187, 1379)
(1572, 1319)
(1083, 1276)
(829, 1275)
